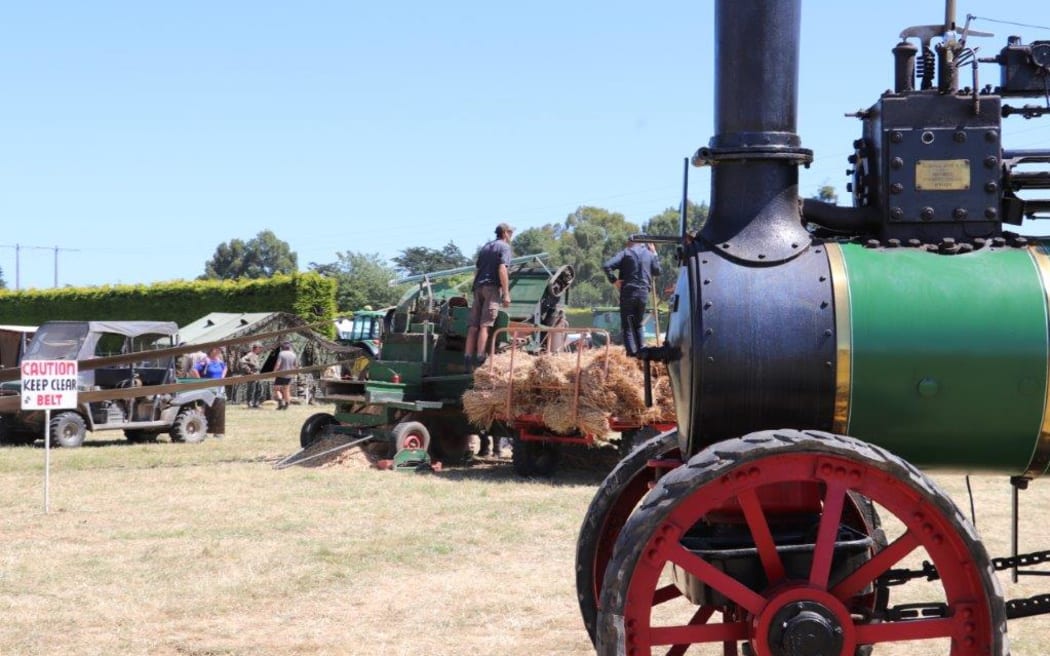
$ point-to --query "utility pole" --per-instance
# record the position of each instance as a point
(18, 260)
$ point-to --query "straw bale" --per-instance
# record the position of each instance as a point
(611, 384)
(559, 416)
(483, 406)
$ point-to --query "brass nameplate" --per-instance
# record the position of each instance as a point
(942, 175)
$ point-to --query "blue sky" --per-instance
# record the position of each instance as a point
(136, 137)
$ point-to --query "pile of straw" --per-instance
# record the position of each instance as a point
(611, 385)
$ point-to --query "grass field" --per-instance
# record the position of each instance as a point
(206, 550)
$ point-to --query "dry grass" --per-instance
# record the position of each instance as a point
(175, 549)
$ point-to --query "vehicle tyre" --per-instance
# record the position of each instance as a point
(667, 533)
(68, 429)
(616, 499)
(190, 426)
(535, 458)
(410, 435)
(314, 428)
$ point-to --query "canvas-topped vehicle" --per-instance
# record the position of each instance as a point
(143, 418)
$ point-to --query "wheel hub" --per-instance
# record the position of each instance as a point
(803, 621)
(805, 628)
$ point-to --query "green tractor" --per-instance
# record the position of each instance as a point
(363, 328)
(406, 404)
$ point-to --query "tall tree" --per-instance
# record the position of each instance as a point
(669, 223)
(260, 257)
(362, 279)
(533, 241)
(827, 194)
(592, 235)
(420, 259)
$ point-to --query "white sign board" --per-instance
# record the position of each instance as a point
(49, 384)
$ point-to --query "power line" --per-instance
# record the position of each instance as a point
(18, 259)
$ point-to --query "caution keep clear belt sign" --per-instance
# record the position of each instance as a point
(49, 384)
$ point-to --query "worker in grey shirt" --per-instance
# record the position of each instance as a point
(491, 291)
(282, 385)
(637, 265)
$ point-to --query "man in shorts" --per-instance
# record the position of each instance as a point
(282, 385)
(491, 291)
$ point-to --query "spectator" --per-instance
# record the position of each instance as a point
(213, 366)
(282, 385)
(250, 365)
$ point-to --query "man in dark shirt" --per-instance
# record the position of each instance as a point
(491, 290)
(637, 265)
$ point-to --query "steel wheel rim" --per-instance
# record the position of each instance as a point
(413, 441)
(969, 623)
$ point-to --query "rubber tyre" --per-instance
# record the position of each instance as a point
(314, 429)
(190, 426)
(410, 435)
(68, 430)
(616, 498)
(535, 458)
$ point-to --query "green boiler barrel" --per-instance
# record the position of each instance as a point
(942, 359)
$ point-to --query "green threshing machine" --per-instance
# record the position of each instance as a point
(406, 404)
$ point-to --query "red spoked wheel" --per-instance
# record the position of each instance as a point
(614, 502)
(752, 532)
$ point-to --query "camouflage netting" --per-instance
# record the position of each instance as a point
(611, 386)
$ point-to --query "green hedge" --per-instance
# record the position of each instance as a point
(308, 295)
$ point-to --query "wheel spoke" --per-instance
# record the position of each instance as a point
(694, 634)
(716, 579)
(869, 634)
(879, 563)
(701, 616)
(760, 533)
(666, 593)
(824, 549)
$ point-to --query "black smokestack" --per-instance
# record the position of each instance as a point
(755, 151)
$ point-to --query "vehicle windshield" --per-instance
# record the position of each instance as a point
(361, 328)
(57, 342)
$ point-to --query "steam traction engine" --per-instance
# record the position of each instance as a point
(883, 333)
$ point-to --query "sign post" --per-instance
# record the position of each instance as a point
(48, 385)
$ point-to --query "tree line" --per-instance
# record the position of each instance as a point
(584, 239)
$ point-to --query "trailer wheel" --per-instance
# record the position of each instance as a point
(410, 435)
(314, 428)
(190, 426)
(68, 429)
(535, 458)
(767, 595)
(614, 502)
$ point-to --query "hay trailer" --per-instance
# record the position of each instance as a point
(545, 413)
(406, 404)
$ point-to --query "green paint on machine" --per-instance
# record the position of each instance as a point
(949, 355)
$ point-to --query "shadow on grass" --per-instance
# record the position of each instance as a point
(578, 466)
